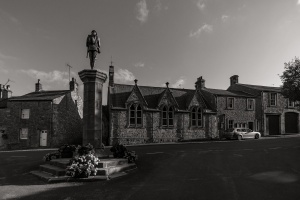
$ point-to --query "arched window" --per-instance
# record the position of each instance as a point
(135, 115)
(164, 116)
(196, 117)
(171, 116)
(167, 116)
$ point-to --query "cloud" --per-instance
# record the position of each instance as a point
(124, 76)
(50, 77)
(226, 17)
(7, 16)
(179, 83)
(205, 28)
(201, 4)
(142, 11)
(139, 64)
(298, 2)
(2, 56)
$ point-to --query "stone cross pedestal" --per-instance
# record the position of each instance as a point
(92, 106)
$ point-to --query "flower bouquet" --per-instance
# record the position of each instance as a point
(84, 164)
(120, 151)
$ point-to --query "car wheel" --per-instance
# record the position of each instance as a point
(239, 137)
(256, 136)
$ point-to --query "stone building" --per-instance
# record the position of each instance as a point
(42, 118)
(145, 114)
(235, 109)
(274, 114)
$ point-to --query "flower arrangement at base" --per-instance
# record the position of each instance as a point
(65, 151)
(84, 164)
(120, 151)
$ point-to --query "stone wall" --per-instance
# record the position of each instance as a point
(280, 109)
(39, 119)
(153, 132)
(67, 123)
(60, 119)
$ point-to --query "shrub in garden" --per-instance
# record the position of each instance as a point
(120, 151)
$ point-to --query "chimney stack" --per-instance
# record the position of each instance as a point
(234, 79)
(4, 93)
(38, 86)
(200, 83)
(73, 85)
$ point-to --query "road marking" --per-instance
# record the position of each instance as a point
(155, 153)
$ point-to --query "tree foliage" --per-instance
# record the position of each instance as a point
(291, 80)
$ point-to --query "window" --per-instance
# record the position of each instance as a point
(230, 123)
(273, 99)
(24, 133)
(250, 104)
(25, 113)
(167, 116)
(135, 115)
(291, 103)
(230, 103)
(196, 117)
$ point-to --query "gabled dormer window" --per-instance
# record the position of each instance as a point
(273, 99)
(167, 116)
(230, 103)
(135, 115)
(196, 117)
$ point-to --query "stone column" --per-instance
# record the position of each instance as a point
(92, 106)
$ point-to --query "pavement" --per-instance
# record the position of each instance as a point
(251, 169)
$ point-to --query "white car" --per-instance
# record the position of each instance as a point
(241, 133)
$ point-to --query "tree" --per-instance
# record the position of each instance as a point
(291, 80)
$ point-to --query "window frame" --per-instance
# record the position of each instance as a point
(228, 103)
(275, 99)
(288, 103)
(230, 125)
(23, 116)
(133, 115)
(167, 116)
(196, 119)
(21, 134)
(248, 103)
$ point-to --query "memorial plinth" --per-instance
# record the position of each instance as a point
(92, 106)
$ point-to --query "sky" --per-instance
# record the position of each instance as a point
(153, 41)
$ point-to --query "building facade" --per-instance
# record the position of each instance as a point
(42, 118)
(274, 113)
(143, 114)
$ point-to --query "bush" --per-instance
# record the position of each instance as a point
(120, 151)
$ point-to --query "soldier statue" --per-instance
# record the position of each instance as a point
(93, 47)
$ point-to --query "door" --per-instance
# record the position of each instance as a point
(43, 138)
(250, 125)
(291, 122)
(273, 124)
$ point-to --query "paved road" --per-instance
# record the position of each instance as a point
(253, 169)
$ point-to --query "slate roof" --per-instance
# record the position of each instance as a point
(152, 95)
(220, 92)
(261, 88)
(40, 96)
